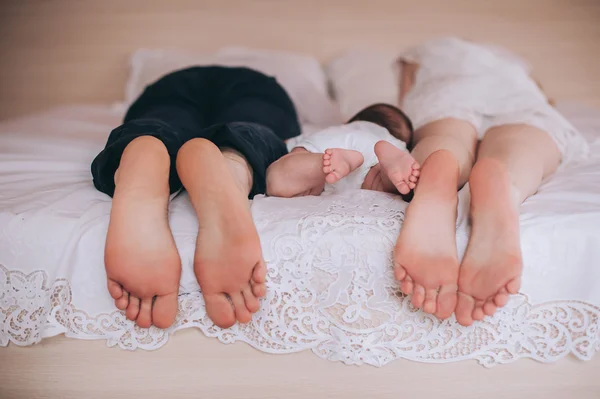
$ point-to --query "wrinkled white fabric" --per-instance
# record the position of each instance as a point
(360, 136)
(485, 86)
(330, 282)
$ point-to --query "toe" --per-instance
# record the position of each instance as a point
(501, 298)
(133, 309)
(259, 290)
(144, 319)
(331, 178)
(115, 289)
(489, 308)
(430, 304)
(418, 296)
(123, 302)
(251, 301)
(464, 309)
(478, 311)
(164, 310)
(407, 285)
(403, 188)
(446, 301)
(412, 185)
(413, 179)
(259, 273)
(219, 310)
(416, 166)
(327, 169)
(242, 314)
(514, 285)
(399, 272)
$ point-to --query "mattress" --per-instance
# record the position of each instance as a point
(330, 283)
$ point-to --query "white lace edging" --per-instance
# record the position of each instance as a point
(32, 309)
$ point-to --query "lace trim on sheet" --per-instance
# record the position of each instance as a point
(544, 332)
(330, 290)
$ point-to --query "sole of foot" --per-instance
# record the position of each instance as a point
(339, 163)
(142, 263)
(425, 256)
(399, 166)
(491, 268)
(228, 261)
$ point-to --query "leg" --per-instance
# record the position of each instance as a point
(137, 168)
(228, 261)
(141, 259)
(425, 258)
(512, 161)
(251, 115)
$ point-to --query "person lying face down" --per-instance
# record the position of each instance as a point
(368, 152)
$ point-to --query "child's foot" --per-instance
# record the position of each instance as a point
(425, 256)
(142, 262)
(228, 262)
(491, 268)
(339, 163)
(399, 166)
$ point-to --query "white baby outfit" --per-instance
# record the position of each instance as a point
(359, 136)
(486, 86)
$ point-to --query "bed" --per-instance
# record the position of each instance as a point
(331, 290)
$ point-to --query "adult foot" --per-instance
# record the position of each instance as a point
(228, 261)
(491, 268)
(399, 166)
(142, 263)
(339, 163)
(425, 256)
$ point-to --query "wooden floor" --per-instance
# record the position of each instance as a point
(191, 365)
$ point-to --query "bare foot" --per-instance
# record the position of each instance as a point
(228, 262)
(339, 163)
(399, 166)
(491, 268)
(142, 262)
(425, 257)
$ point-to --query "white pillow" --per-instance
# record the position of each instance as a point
(363, 77)
(301, 76)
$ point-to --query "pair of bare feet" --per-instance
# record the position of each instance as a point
(397, 170)
(426, 259)
(142, 262)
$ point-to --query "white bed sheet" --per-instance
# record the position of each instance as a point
(330, 285)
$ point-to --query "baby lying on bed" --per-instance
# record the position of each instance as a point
(368, 152)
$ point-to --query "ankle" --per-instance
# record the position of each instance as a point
(240, 169)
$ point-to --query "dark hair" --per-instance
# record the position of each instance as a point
(389, 117)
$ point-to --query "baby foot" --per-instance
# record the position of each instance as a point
(491, 268)
(399, 166)
(425, 256)
(142, 263)
(339, 163)
(228, 261)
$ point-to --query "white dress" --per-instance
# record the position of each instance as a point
(486, 86)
